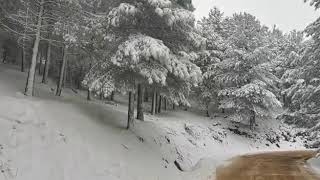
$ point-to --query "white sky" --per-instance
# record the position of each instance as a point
(286, 14)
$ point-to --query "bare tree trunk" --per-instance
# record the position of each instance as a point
(88, 95)
(157, 103)
(47, 64)
(22, 59)
(79, 77)
(4, 55)
(160, 104)
(154, 101)
(24, 43)
(62, 72)
(252, 120)
(140, 115)
(39, 61)
(130, 110)
(173, 106)
(88, 90)
(29, 90)
(165, 103)
(70, 75)
(101, 95)
(146, 95)
(112, 96)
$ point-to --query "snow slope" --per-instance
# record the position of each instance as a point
(68, 138)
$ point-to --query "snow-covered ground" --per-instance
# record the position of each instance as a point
(69, 138)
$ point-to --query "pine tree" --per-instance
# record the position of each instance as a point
(212, 28)
(242, 79)
(151, 40)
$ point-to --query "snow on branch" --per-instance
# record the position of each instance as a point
(124, 13)
(153, 60)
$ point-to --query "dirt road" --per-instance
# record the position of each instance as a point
(290, 165)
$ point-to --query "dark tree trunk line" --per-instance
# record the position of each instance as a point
(154, 101)
(207, 110)
(4, 55)
(160, 103)
(70, 75)
(157, 103)
(62, 72)
(165, 103)
(22, 59)
(130, 110)
(88, 90)
(112, 96)
(39, 61)
(88, 95)
(140, 114)
(29, 90)
(146, 95)
(79, 78)
(252, 119)
(101, 95)
(47, 64)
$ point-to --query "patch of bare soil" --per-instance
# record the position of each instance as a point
(287, 165)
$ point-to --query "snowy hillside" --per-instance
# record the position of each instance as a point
(69, 138)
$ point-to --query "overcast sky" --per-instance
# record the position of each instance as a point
(286, 14)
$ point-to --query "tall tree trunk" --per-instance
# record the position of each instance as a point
(62, 72)
(47, 64)
(70, 75)
(112, 96)
(160, 104)
(79, 77)
(101, 95)
(24, 43)
(4, 55)
(157, 103)
(29, 90)
(88, 89)
(22, 59)
(165, 103)
(140, 115)
(130, 110)
(88, 95)
(146, 95)
(154, 102)
(207, 110)
(39, 61)
(173, 106)
(252, 120)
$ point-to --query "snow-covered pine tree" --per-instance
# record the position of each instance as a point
(212, 28)
(243, 77)
(154, 42)
(303, 84)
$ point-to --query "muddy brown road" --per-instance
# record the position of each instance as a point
(289, 165)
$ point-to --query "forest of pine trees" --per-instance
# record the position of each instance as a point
(156, 53)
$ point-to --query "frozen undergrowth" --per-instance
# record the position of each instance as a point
(189, 139)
